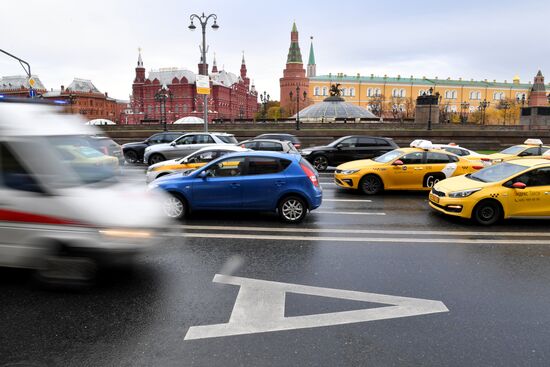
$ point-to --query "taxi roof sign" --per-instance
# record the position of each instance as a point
(533, 142)
(422, 144)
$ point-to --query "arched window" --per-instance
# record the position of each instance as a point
(352, 92)
(369, 92)
(377, 92)
(402, 93)
(475, 95)
(316, 91)
(344, 90)
(394, 92)
(324, 91)
(149, 109)
(498, 96)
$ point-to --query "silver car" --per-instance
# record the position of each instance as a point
(185, 145)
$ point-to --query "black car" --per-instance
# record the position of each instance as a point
(347, 148)
(282, 137)
(133, 152)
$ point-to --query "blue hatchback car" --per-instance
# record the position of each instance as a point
(258, 181)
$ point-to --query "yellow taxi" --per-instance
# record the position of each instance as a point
(190, 162)
(530, 148)
(516, 188)
(85, 156)
(416, 168)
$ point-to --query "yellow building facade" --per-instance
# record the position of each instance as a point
(400, 93)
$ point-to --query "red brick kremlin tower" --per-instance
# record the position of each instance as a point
(293, 75)
(538, 98)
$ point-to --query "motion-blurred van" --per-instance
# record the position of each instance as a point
(63, 211)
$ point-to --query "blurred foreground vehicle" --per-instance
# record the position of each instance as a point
(107, 146)
(517, 188)
(191, 162)
(62, 210)
(256, 181)
(133, 152)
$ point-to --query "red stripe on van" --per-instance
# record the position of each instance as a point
(16, 216)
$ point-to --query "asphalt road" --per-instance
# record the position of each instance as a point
(490, 289)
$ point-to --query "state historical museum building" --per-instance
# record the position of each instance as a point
(231, 97)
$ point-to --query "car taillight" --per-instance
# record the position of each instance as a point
(297, 146)
(310, 174)
(486, 159)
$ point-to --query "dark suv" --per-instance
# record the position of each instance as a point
(347, 148)
(133, 152)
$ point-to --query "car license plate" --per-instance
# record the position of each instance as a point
(434, 198)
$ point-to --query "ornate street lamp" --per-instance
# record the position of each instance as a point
(297, 104)
(521, 100)
(464, 107)
(161, 96)
(203, 20)
(483, 107)
(265, 100)
(505, 105)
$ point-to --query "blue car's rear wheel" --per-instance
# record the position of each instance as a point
(175, 207)
(292, 209)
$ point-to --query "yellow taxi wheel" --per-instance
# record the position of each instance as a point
(371, 184)
(487, 212)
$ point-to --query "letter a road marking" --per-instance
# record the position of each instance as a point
(260, 308)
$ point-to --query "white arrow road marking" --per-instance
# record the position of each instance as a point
(260, 308)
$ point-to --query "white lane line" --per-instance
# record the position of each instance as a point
(364, 231)
(347, 213)
(357, 239)
(350, 200)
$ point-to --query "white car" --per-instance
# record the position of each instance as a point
(185, 145)
(463, 152)
(191, 162)
(60, 219)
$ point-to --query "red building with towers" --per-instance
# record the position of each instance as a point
(294, 75)
(231, 96)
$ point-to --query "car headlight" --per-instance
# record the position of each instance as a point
(349, 171)
(306, 152)
(497, 160)
(464, 193)
(125, 233)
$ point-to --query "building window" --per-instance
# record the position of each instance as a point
(316, 91)
(450, 94)
(352, 92)
(475, 95)
(369, 92)
(325, 90)
(394, 93)
(498, 96)
(149, 110)
(402, 93)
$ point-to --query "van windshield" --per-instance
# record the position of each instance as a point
(66, 161)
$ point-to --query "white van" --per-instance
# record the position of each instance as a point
(64, 214)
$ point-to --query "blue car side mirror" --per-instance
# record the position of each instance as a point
(203, 175)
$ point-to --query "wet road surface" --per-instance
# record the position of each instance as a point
(494, 284)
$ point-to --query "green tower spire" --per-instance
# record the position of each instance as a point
(311, 54)
(294, 54)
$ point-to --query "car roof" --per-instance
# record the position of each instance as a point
(530, 162)
(366, 136)
(281, 134)
(265, 140)
(434, 150)
(234, 148)
(32, 119)
(263, 153)
(529, 146)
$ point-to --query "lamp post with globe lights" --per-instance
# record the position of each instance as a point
(203, 21)
(297, 104)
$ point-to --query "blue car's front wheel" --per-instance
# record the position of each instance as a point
(175, 207)
(292, 209)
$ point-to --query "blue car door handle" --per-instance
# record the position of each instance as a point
(280, 183)
(235, 185)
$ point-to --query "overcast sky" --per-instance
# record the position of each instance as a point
(98, 40)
